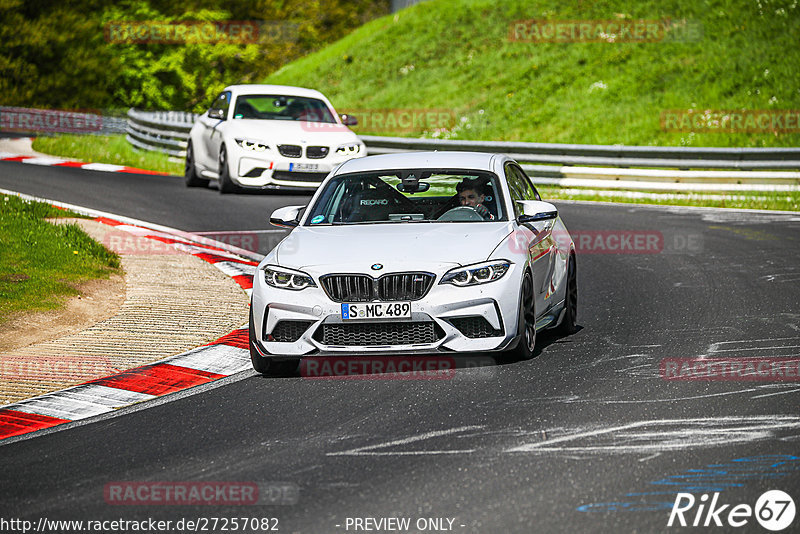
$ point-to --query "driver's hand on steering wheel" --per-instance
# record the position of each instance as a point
(483, 211)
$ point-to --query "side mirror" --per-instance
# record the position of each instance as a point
(348, 120)
(286, 217)
(216, 114)
(536, 210)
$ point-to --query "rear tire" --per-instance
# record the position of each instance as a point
(226, 185)
(527, 322)
(190, 175)
(268, 366)
(569, 324)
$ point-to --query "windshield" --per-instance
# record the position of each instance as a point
(409, 196)
(281, 107)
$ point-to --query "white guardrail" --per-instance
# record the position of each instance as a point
(746, 169)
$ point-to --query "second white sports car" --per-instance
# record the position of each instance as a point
(269, 137)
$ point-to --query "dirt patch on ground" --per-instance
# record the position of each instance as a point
(98, 300)
(22, 146)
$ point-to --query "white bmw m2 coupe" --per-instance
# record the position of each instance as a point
(268, 137)
(417, 253)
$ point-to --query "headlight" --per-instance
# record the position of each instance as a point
(480, 273)
(349, 149)
(287, 278)
(249, 144)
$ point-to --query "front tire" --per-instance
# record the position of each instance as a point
(527, 322)
(226, 185)
(569, 324)
(268, 366)
(190, 175)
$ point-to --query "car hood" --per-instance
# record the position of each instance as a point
(288, 132)
(398, 247)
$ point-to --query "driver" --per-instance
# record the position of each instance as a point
(472, 193)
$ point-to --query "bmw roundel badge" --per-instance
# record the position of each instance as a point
(377, 266)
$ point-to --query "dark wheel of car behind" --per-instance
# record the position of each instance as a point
(226, 185)
(190, 175)
(268, 366)
(527, 322)
(569, 324)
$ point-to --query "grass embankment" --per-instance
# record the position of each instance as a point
(41, 262)
(456, 55)
(113, 149)
(761, 200)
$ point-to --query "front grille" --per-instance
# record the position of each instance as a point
(404, 286)
(349, 287)
(372, 334)
(389, 287)
(290, 151)
(317, 152)
(311, 177)
(475, 327)
(289, 331)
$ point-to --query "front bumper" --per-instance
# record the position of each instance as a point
(448, 319)
(269, 169)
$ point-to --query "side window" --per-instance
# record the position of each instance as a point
(530, 192)
(516, 188)
(222, 103)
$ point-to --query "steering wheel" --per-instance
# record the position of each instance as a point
(461, 214)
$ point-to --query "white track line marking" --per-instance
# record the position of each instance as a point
(105, 167)
(757, 340)
(773, 394)
(365, 451)
(691, 433)
(44, 161)
(759, 348)
(666, 399)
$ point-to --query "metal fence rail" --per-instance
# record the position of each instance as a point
(659, 168)
(162, 131)
(612, 155)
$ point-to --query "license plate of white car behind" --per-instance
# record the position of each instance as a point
(376, 310)
(304, 167)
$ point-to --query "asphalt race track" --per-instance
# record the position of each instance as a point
(587, 436)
